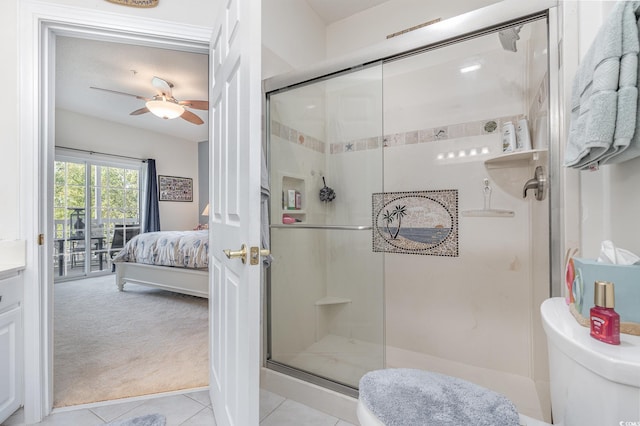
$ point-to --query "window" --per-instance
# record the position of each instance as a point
(91, 200)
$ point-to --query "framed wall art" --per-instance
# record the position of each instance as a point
(172, 188)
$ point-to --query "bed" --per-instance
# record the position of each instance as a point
(172, 260)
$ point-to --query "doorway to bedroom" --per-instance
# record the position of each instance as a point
(109, 344)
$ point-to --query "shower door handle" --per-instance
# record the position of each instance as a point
(232, 254)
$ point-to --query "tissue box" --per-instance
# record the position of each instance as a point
(626, 281)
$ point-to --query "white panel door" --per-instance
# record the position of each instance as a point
(234, 212)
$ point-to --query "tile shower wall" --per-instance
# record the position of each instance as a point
(339, 273)
(300, 282)
(354, 112)
(452, 131)
(454, 155)
(474, 310)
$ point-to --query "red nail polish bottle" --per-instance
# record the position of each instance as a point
(605, 322)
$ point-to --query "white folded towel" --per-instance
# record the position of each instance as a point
(604, 100)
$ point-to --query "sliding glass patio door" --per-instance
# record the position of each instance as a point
(96, 206)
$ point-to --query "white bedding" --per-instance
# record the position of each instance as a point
(185, 249)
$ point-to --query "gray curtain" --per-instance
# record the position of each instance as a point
(151, 207)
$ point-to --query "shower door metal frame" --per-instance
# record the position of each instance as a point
(480, 22)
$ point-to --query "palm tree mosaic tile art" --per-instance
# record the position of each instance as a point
(417, 222)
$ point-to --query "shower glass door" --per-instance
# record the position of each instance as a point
(468, 305)
(326, 282)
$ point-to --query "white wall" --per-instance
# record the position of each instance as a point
(9, 160)
(203, 179)
(373, 25)
(293, 36)
(173, 157)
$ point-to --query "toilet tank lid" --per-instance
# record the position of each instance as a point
(618, 363)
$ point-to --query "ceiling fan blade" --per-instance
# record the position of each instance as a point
(191, 117)
(163, 85)
(203, 105)
(140, 111)
(120, 93)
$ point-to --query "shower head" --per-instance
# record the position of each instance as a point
(509, 37)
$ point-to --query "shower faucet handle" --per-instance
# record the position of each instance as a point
(538, 182)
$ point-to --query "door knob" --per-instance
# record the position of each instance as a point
(538, 182)
(242, 253)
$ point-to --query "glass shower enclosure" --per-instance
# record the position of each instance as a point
(326, 284)
(435, 251)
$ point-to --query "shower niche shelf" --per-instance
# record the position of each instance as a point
(332, 300)
(515, 159)
(295, 183)
(325, 302)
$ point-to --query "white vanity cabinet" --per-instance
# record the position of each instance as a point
(11, 343)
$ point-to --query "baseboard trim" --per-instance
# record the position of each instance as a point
(328, 401)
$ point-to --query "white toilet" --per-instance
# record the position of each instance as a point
(592, 383)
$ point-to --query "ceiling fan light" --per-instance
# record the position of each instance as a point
(165, 109)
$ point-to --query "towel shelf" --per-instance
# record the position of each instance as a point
(488, 213)
(515, 159)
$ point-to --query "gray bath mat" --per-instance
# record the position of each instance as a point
(148, 420)
(407, 397)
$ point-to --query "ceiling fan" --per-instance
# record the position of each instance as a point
(164, 105)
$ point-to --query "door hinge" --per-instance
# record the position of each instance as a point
(40, 239)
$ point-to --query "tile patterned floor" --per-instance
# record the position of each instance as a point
(189, 409)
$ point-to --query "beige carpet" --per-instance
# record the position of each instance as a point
(111, 344)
